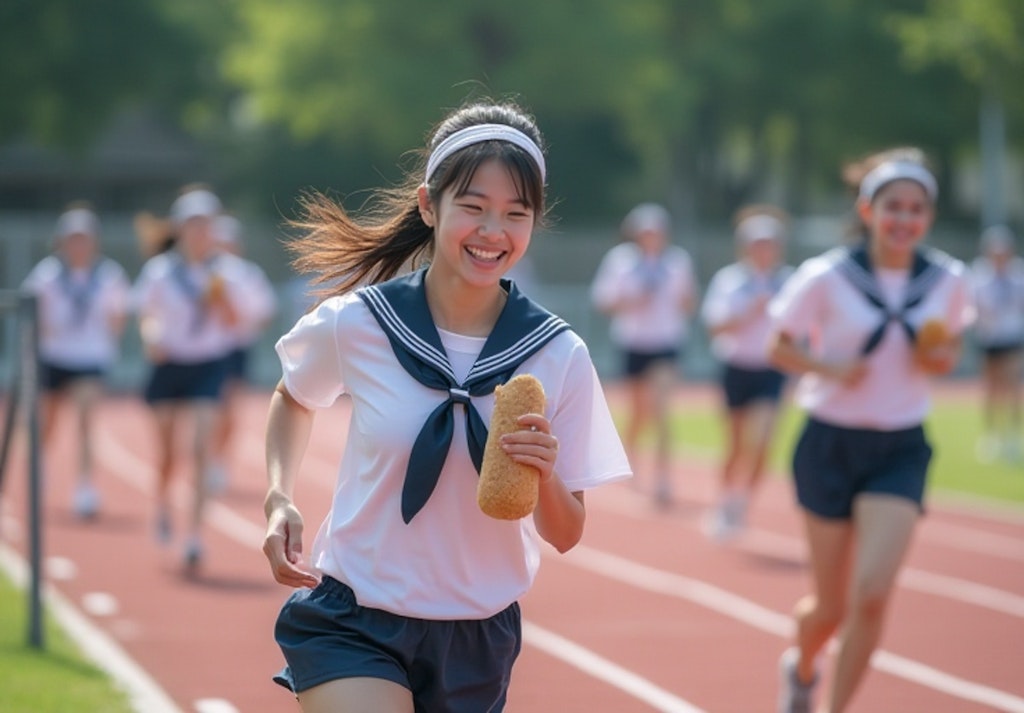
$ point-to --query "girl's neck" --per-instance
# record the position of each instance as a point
(888, 259)
(465, 310)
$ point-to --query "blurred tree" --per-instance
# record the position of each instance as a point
(68, 65)
(983, 41)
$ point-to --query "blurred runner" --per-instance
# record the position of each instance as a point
(83, 302)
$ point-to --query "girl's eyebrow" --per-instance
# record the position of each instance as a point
(479, 194)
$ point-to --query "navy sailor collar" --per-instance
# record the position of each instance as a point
(400, 308)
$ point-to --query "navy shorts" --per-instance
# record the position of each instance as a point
(637, 363)
(449, 666)
(832, 465)
(57, 378)
(743, 386)
(238, 364)
(998, 351)
(186, 382)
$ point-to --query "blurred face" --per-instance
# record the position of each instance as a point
(651, 241)
(479, 234)
(78, 249)
(195, 239)
(898, 218)
(763, 254)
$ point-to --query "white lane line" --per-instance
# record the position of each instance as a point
(60, 569)
(776, 544)
(214, 705)
(748, 612)
(145, 694)
(100, 604)
(604, 670)
(970, 539)
(940, 585)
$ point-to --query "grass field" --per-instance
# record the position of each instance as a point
(56, 679)
(953, 429)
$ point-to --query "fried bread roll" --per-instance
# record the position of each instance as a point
(933, 333)
(508, 490)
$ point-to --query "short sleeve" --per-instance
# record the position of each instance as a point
(794, 310)
(310, 359)
(962, 310)
(590, 451)
(718, 307)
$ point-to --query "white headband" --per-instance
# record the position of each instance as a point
(760, 226)
(77, 220)
(195, 204)
(227, 229)
(646, 217)
(484, 132)
(889, 171)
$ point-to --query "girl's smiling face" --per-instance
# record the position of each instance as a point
(898, 217)
(480, 233)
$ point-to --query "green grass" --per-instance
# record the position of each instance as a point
(56, 679)
(953, 429)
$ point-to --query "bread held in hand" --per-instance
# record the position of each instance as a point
(508, 490)
(932, 333)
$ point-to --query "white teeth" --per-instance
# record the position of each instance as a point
(483, 254)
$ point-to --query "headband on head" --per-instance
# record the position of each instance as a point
(78, 220)
(199, 203)
(646, 217)
(760, 226)
(997, 239)
(889, 171)
(484, 132)
(227, 230)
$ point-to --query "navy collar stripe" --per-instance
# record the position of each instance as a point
(538, 336)
(409, 339)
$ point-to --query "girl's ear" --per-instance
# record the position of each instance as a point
(864, 210)
(426, 207)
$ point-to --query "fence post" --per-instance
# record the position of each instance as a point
(28, 386)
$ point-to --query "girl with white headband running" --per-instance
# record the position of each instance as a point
(408, 601)
(735, 312)
(83, 304)
(867, 327)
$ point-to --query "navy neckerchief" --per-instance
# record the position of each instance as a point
(400, 308)
(81, 296)
(925, 272)
(195, 294)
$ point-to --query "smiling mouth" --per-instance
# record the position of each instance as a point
(485, 255)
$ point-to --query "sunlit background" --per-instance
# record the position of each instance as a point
(703, 105)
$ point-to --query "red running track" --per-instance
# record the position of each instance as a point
(644, 615)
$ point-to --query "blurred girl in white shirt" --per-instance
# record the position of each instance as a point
(83, 301)
(867, 327)
(646, 285)
(735, 311)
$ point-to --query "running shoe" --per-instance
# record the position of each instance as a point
(795, 696)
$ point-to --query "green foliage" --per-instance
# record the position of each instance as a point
(68, 65)
(703, 104)
(53, 680)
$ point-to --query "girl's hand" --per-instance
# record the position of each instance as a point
(283, 546)
(849, 374)
(534, 445)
